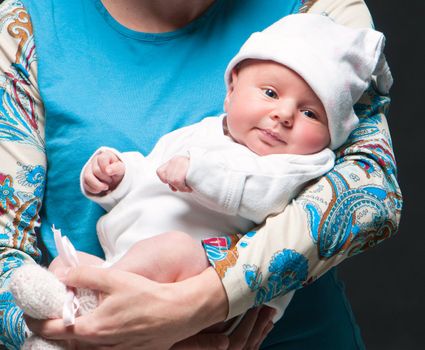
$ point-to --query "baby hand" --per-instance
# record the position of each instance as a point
(174, 173)
(103, 173)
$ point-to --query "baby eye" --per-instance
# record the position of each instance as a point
(309, 114)
(270, 93)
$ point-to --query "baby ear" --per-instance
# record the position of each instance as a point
(230, 87)
(233, 78)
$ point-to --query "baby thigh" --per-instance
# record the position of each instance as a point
(168, 257)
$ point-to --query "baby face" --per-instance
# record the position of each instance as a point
(272, 110)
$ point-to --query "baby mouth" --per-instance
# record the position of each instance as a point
(271, 135)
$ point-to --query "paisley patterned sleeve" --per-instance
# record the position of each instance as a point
(354, 207)
(23, 161)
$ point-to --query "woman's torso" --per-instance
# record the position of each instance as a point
(105, 85)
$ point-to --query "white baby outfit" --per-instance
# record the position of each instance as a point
(233, 188)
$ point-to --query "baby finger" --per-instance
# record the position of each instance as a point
(93, 185)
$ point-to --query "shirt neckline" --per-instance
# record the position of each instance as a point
(157, 37)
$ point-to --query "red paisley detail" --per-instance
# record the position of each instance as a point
(17, 85)
(10, 203)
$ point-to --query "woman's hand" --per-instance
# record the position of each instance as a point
(253, 329)
(137, 313)
(203, 341)
(248, 335)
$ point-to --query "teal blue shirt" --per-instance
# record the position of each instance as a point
(103, 84)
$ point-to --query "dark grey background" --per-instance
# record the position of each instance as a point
(386, 285)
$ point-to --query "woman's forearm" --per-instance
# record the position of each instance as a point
(23, 161)
(206, 291)
(354, 207)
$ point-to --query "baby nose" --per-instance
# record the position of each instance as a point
(284, 116)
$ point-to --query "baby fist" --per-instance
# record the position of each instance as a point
(174, 173)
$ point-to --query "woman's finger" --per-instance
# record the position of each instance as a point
(86, 328)
(240, 335)
(203, 341)
(90, 277)
(263, 325)
(253, 329)
(263, 337)
(49, 328)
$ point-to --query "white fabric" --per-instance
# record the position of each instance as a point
(236, 188)
(42, 296)
(39, 294)
(336, 61)
(37, 291)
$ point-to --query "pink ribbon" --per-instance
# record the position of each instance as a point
(68, 255)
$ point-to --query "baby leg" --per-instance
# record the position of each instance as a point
(168, 257)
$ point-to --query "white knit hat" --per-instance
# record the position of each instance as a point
(336, 61)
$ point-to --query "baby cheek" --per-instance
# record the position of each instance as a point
(315, 139)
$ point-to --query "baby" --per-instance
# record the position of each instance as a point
(289, 103)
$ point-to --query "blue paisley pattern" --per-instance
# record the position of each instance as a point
(358, 217)
(21, 184)
(288, 271)
(354, 207)
(18, 117)
(332, 230)
(13, 332)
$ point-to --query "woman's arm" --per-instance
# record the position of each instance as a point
(355, 206)
(23, 161)
(352, 208)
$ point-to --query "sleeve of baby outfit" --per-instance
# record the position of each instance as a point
(134, 163)
(247, 185)
(352, 208)
(22, 160)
